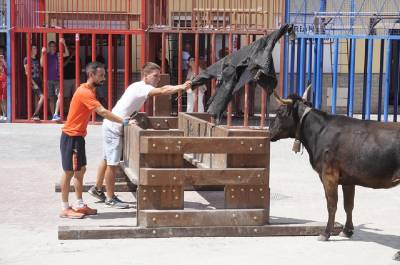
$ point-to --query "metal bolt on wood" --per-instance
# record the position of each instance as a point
(144, 198)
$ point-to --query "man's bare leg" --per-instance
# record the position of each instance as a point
(110, 181)
(101, 170)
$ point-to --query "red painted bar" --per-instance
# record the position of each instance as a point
(29, 76)
(163, 38)
(180, 70)
(45, 110)
(196, 71)
(109, 77)
(61, 67)
(77, 63)
(93, 60)
(246, 98)
(213, 60)
(126, 62)
(229, 112)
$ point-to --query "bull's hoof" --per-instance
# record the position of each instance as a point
(397, 256)
(347, 233)
(323, 237)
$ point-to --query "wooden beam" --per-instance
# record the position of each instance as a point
(222, 217)
(216, 145)
(196, 176)
(112, 232)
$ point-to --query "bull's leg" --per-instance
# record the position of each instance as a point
(330, 182)
(348, 199)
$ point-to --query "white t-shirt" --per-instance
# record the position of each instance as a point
(132, 100)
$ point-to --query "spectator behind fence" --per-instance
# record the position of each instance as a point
(36, 81)
(69, 79)
(101, 92)
(200, 89)
(132, 100)
(53, 74)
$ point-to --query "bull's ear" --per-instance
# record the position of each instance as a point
(307, 93)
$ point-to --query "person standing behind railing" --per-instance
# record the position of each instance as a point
(53, 74)
(36, 80)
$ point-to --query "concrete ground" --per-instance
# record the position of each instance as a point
(30, 166)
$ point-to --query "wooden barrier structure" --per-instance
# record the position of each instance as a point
(166, 157)
(156, 165)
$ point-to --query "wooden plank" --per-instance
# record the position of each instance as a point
(160, 197)
(163, 123)
(113, 232)
(246, 197)
(180, 145)
(179, 218)
(196, 176)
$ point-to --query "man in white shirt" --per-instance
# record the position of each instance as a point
(132, 100)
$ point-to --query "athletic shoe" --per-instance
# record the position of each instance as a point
(116, 203)
(98, 194)
(56, 118)
(35, 118)
(71, 214)
(86, 210)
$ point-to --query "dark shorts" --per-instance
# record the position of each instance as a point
(38, 92)
(70, 145)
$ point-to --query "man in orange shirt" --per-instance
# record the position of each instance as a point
(72, 143)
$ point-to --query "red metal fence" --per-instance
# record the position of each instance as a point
(127, 34)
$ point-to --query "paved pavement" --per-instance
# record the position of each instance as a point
(30, 165)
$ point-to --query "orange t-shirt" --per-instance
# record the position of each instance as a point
(82, 104)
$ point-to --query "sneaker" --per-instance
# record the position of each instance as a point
(35, 118)
(86, 210)
(98, 194)
(71, 214)
(116, 203)
(56, 118)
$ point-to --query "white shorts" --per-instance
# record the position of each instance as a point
(112, 146)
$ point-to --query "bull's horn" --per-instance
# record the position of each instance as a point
(282, 100)
(306, 92)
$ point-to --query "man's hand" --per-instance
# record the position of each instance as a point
(187, 85)
(44, 50)
(62, 40)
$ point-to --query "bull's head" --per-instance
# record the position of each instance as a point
(287, 118)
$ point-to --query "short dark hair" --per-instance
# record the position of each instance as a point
(93, 66)
(149, 67)
(52, 42)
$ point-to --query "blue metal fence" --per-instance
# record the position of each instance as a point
(324, 26)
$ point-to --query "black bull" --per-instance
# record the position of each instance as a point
(250, 64)
(344, 151)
